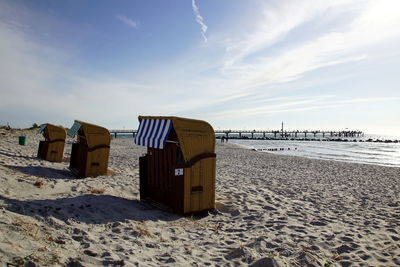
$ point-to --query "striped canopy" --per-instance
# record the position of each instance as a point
(41, 128)
(153, 132)
(74, 129)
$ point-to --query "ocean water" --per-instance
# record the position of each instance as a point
(386, 154)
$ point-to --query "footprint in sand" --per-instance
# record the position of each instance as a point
(346, 249)
(346, 239)
(318, 223)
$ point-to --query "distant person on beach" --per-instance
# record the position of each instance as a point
(222, 139)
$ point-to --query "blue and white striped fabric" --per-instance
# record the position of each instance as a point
(74, 129)
(153, 132)
(41, 128)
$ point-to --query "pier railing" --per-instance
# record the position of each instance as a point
(256, 134)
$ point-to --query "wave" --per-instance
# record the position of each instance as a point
(360, 152)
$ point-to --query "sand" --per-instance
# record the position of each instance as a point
(272, 210)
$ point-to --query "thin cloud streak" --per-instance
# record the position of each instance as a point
(346, 44)
(128, 21)
(370, 99)
(238, 114)
(312, 103)
(278, 20)
(200, 20)
(275, 107)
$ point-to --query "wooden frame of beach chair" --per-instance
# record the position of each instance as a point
(52, 148)
(89, 155)
(179, 174)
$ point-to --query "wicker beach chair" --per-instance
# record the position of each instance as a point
(180, 165)
(52, 148)
(89, 155)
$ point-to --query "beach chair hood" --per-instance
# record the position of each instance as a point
(195, 137)
(95, 135)
(52, 132)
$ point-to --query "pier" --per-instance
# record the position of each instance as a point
(279, 134)
(126, 132)
(265, 134)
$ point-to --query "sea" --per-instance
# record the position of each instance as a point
(364, 149)
(356, 150)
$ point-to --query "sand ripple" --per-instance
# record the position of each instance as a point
(272, 210)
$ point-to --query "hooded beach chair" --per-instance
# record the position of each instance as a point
(52, 148)
(89, 155)
(179, 168)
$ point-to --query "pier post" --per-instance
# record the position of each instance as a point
(240, 134)
(264, 135)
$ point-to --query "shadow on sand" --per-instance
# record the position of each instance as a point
(43, 172)
(96, 209)
(16, 156)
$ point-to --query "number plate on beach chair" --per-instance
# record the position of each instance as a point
(179, 172)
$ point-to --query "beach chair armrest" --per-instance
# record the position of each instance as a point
(90, 149)
(195, 159)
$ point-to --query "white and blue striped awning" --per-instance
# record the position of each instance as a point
(41, 128)
(153, 132)
(74, 129)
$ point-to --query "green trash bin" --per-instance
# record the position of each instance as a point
(22, 140)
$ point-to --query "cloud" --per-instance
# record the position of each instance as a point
(37, 85)
(335, 33)
(248, 77)
(295, 104)
(370, 99)
(274, 25)
(128, 21)
(199, 19)
(255, 107)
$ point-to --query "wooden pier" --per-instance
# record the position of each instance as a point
(268, 134)
(288, 134)
(126, 132)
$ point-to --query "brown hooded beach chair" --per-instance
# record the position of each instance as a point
(52, 148)
(179, 167)
(89, 155)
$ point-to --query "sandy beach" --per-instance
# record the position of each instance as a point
(272, 210)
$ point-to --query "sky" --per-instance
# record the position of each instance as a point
(312, 64)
